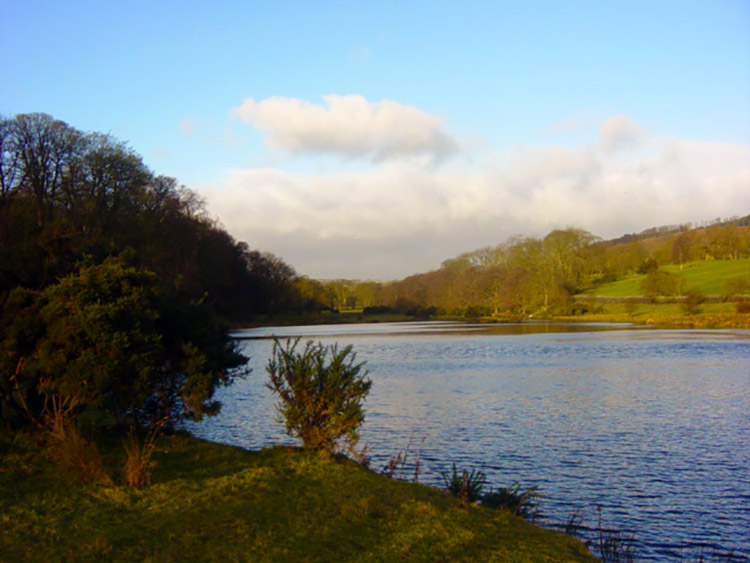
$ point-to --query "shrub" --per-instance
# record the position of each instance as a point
(693, 301)
(739, 285)
(467, 486)
(106, 338)
(661, 282)
(395, 468)
(521, 503)
(138, 457)
(631, 307)
(743, 307)
(377, 310)
(321, 390)
(647, 266)
(71, 450)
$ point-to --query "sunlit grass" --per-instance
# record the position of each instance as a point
(709, 277)
(713, 315)
(209, 502)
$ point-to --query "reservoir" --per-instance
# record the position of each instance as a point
(642, 431)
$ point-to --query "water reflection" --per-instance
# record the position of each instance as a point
(652, 425)
(452, 328)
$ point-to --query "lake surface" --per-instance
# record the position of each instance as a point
(653, 426)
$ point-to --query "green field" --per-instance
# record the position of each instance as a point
(209, 502)
(709, 277)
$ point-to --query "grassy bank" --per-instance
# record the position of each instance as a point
(669, 315)
(209, 502)
(710, 277)
(663, 319)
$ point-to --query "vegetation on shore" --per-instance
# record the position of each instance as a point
(116, 291)
(551, 277)
(709, 277)
(210, 502)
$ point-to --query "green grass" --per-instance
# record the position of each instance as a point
(210, 502)
(709, 277)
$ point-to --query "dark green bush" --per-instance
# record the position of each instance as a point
(107, 339)
(521, 503)
(693, 301)
(661, 282)
(465, 485)
(321, 390)
(377, 310)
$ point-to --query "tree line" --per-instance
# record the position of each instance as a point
(68, 196)
(116, 286)
(527, 275)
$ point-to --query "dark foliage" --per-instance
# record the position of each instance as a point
(107, 339)
(466, 485)
(521, 503)
(693, 301)
(113, 281)
(66, 196)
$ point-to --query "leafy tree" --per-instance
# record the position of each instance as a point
(68, 196)
(649, 265)
(684, 248)
(310, 295)
(661, 282)
(321, 390)
(106, 338)
(271, 279)
(693, 301)
(367, 293)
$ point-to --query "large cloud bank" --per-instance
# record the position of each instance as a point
(399, 216)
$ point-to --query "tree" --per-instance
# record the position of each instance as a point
(564, 262)
(107, 339)
(271, 279)
(45, 149)
(693, 301)
(321, 390)
(684, 247)
(660, 282)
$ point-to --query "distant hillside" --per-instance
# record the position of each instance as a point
(710, 277)
(666, 230)
(540, 275)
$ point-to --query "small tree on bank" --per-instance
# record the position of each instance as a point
(661, 283)
(321, 390)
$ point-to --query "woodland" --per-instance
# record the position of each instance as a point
(542, 275)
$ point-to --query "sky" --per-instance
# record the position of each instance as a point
(374, 140)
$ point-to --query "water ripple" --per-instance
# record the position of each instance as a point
(652, 426)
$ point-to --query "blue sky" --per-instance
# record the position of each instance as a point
(376, 139)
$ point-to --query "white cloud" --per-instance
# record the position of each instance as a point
(348, 126)
(619, 132)
(400, 217)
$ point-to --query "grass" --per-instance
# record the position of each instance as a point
(210, 502)
(664, 316)
(709, 277)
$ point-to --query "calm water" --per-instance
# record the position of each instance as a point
(653, 426)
